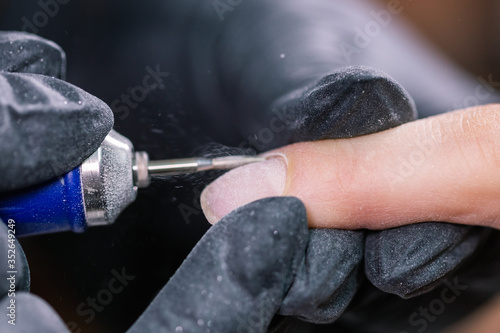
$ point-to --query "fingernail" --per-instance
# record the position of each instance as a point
(243, 185)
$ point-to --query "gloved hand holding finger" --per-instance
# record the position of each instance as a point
(307, 99)
(322, 174)
(326, 274)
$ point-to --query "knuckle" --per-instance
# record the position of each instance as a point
(477, 135)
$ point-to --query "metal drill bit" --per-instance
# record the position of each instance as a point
(197, 164)
(144, 169)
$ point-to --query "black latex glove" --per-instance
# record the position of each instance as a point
(236, 277)
(47, 127)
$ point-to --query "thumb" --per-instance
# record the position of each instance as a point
(444, 168)
(237, 276)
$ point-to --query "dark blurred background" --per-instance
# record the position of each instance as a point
(110, 44)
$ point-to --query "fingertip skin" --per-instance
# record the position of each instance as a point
(242, 186)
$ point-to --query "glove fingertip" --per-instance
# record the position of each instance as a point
(354, 101)
(28, 53)
(412, 260)
(328, 277)
(50, 127)
(238, 272)
(348, 102)
(31, 314)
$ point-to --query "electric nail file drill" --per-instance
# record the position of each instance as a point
(96, 192)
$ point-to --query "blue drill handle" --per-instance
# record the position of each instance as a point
(54, 206)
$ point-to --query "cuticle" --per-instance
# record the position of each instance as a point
(269, 156)
(282, 157)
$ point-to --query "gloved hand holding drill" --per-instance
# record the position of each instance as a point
(47, 127)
